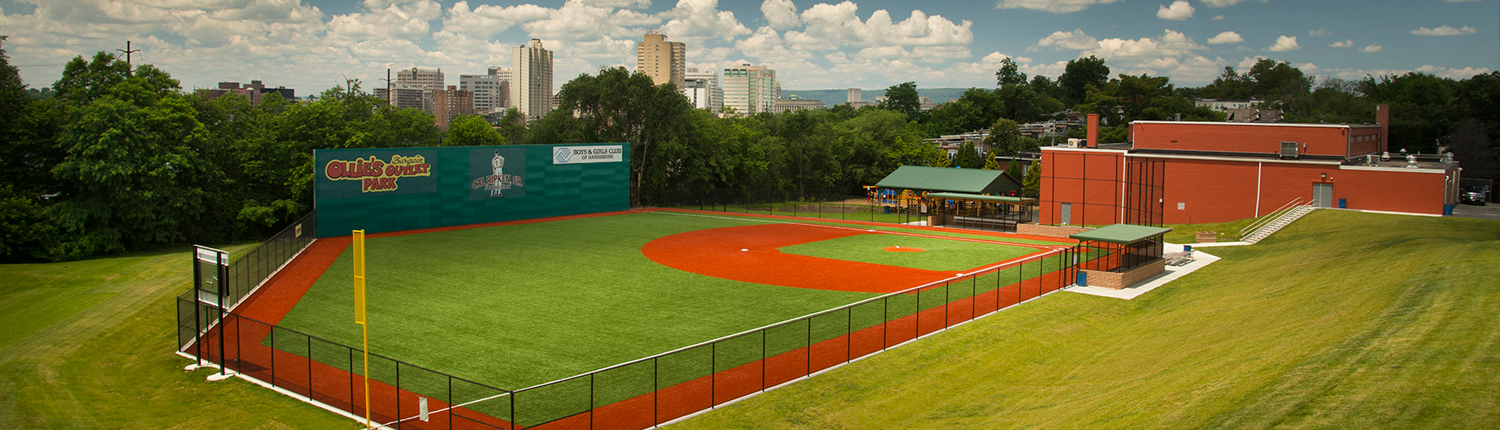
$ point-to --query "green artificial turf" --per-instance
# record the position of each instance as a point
(89, 344)
(514, 306)
(937, 254)
(1341, 320)
(520, 305)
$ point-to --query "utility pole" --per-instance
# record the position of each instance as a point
(389, 99)
(127, 51)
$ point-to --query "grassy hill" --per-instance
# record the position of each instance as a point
(1341, 320)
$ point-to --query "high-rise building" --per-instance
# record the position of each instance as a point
(421, 79)
(404, 97)
(750, 89)
(702, 89)
(449, 104)
(855, 95)
(490, 92)
(663, 61)
(531, 79)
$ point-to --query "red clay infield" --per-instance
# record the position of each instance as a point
(900, 249)
(713, 252)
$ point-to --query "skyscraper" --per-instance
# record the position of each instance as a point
(750, 89)
(663, 61)
(449, 104)
(702, 89)
(420, 78)
(490, 92)
(531, 83)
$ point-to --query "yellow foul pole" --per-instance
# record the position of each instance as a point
(359, 310)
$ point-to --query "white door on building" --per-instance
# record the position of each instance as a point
(1067, 214)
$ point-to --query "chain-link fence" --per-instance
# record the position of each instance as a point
(633, 395)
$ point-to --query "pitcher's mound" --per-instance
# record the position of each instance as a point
(900, 249)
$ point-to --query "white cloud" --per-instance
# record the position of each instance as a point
(781, 14)
(693, 20)
(1218, 18)
(1221, 3)
(1054, 6)
(1371, 48)
(1074, 40)
(1319, 32)
(1178, 11)
(487, 20)
(839, 25)
(1444, 72)
(1344, 44)
(625, 4)
(1225, 37)
(1169, 44)
(1443, 31)
(1249, 62)
(1284, 44)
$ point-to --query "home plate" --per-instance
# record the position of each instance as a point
(744, 249)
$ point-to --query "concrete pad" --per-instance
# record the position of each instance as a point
(1214, 244)
(1200, 260)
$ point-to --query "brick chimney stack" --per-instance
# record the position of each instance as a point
(1093, 131)
(1383, 118)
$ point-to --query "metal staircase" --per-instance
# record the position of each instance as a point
(1278, 222)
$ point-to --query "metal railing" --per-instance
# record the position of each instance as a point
(1267, 218)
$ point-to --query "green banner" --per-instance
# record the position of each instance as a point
(375, 172)
(497, 173)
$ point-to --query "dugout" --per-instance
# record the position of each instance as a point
(1120, 255)
(970, 198)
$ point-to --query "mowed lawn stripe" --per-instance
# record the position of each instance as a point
(1342, 320)
(935, 253)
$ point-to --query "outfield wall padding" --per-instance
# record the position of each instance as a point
(395, 189)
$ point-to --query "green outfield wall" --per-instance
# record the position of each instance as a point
(381, 190)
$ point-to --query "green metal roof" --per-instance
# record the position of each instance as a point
(1120, 233)
(962, 196)
(940, 179)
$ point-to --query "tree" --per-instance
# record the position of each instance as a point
(133, 170)
(902, 98)
(1031, 186)
(512, 127)
(1472, 147)
(968, 157)
(990, 162)
(1003, 136)
(1014, 169)
(472, 130)
(1009, 74)
(1078, 75)
(1278, 83)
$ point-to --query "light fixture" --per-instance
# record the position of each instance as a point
(1325, 176)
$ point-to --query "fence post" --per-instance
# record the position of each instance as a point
(309, 366)
(451, 407)
(713, 375)
(351, 380)
(398, 395)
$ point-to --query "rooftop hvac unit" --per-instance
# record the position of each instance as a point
(1075, 143)
(1288, 149)
(1372, 160)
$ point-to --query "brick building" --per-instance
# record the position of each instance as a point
(1205, 172)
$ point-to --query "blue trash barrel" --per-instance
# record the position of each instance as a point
(1343, 204)
(1083, 279)
(1187, 248)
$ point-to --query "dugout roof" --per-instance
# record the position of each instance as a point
(1123, 234)
(982, 198)
(942, 179)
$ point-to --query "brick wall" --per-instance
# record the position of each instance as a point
(1119, 280)
(1248, 138)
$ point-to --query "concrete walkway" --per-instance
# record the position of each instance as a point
(1200, 260)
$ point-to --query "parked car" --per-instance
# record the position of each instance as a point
(1471, 196)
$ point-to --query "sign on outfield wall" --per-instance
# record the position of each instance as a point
(588, 154)
(497, 172)
(395, 189)
(377, 172)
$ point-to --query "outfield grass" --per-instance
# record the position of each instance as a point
(936, 254)
(1341, 320)
(88, 344)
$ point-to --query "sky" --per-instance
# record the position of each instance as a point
(312, 45)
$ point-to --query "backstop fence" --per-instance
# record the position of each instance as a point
(638, 394)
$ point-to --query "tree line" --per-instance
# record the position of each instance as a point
(111, 158)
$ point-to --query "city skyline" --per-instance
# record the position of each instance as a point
(314, 45)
